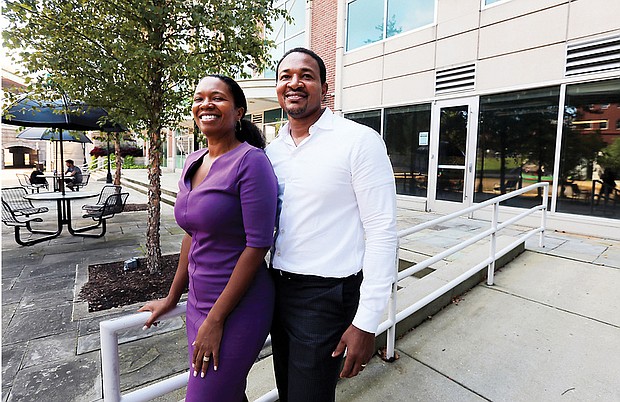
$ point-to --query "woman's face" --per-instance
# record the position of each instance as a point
(214, 108)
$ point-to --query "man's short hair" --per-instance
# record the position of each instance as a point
(70, 161)
(322, 70)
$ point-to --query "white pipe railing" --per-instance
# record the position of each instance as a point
(109, 329)
(494, 255)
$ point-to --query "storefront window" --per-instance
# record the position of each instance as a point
(371, 118)
(406, 132)
(590, 155)
(516, 143)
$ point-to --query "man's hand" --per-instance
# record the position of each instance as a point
(360, 346)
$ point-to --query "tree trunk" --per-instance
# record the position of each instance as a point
(153, 246)
(119, 162)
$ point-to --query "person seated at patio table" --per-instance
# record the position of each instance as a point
(74, 174)
(36, 177)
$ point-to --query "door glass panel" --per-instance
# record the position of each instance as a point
(452, 151)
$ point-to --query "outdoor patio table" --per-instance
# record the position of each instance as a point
(56, 178)
(63, 202)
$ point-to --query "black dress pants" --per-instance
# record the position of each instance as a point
(311, 314)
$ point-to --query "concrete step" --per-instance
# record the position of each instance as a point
(413, 289)
(167, 196)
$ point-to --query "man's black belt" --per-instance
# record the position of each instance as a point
(311, 278)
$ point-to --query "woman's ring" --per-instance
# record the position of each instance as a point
(205, 358)
(363, 365)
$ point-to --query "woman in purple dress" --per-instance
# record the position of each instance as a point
(227, 205)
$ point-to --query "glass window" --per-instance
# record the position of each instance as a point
(516, 143)
(406, 132)
(371, 118)
(297, 10)
(274, 115)
(287, 35)
(366, 19)
(590, 154)
(364, 22)
(405, 15)
(487, 2)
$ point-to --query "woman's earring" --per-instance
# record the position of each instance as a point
(238, 125)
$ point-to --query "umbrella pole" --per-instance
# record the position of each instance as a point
(62, 164)
(108, 179)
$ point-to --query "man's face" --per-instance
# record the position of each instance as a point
(299, 86)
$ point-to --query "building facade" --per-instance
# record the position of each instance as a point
(476, 98)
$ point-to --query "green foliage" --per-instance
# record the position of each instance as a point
(139, 59)
(610, 156)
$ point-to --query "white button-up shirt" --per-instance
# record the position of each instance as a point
(337, 209)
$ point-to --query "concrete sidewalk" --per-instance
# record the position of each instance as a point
(548, 330)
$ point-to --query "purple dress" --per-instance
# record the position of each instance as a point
(234, 207)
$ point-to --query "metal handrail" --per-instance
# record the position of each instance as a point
(109, 329)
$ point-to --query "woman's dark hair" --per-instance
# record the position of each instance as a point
(246, 131)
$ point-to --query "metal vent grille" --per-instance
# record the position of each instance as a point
(593, 56)
(455, 79)
(257, 118)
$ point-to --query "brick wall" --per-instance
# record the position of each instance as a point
(323, 40)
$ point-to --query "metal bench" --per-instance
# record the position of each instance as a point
(24, 181)
(106, 191)
(14, 197)
(114, 204)
(78, 186)
(10, 219)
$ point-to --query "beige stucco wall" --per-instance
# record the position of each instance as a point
(517, 43)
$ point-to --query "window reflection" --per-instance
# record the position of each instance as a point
(405, 15)
(366, 19)
(364, 22)
(516, 143)
(407, 137)
(371, 118)
(287, 35)
(590, 155)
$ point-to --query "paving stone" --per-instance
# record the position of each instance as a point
(47, 285)
(30, 324)
(74, 380)
(11, 270)
(8, 310)
(50, 349)
(91, 342)
(12, 296)
(12, 357)
(61, 269)
(381, 381)
(90, 324)
(7, 283)
(153, 358)
(52, 299)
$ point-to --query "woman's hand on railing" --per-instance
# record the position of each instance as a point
(157, 308)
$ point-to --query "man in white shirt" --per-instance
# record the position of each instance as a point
(334, 255)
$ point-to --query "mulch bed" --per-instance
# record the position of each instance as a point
(109, 285)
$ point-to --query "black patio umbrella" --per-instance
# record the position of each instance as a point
(58, 114)
(44, 134)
